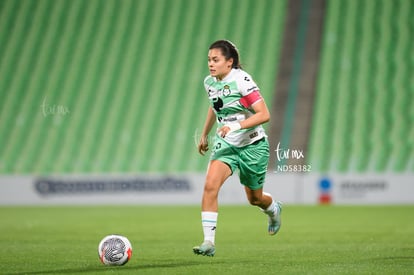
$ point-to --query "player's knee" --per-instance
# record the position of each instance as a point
(255, 201)
(211, 186)
(208, 188)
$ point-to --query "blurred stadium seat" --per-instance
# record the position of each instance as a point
(116, 86)
(364, 116)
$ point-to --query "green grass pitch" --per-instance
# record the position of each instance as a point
(313, 240)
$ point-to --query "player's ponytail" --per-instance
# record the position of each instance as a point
(228, 50)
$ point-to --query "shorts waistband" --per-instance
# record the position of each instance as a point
(258, 141)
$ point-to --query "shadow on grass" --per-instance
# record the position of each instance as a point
(395, 258)
(403, 254)
(101, 269)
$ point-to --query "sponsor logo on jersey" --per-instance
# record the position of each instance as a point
(252, 88)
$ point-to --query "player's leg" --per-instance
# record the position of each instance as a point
(217, 173)
(258, 197)
(266, 203)
(253, 168)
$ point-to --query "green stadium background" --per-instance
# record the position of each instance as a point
(116, 86)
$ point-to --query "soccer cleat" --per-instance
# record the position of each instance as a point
(206, 249)
(275, 221)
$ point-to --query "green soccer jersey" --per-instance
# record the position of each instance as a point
(232, 99)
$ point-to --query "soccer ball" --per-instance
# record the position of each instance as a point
(114, 250)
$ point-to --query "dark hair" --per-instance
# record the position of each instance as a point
(229, 50)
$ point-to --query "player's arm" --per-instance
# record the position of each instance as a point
(261, 115)
(210, 120)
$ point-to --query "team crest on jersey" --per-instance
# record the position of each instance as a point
(226, 90)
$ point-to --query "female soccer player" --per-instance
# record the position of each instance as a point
(239, 143)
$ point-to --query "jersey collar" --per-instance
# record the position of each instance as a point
(228, 76)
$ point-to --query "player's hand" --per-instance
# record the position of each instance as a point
(203, 145)
(228, 128)
(223, 131)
